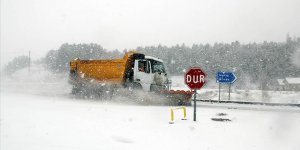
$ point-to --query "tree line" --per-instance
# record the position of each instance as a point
(260, 63)
(58, 60)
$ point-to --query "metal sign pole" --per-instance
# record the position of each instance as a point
(195, 94)
(229, 91)
(219, 92)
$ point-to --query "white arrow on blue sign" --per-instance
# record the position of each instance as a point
(226, 77)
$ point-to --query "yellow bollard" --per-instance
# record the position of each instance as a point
(184, 113)
(172, 114)
(172, 117)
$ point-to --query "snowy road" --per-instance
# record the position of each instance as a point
(37, 112)
(39, 122)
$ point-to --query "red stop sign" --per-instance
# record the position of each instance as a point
(195, 78)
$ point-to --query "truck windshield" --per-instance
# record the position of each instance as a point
(157, 66)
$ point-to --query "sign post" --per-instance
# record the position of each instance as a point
(227, 78)
(229, 91)
(195, 103)
(195, 79)
(219, 92)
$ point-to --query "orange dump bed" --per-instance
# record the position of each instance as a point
(108, 71)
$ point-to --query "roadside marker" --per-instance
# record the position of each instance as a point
(172, 114)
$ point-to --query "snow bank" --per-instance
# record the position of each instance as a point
(37, 81)
(239, 95)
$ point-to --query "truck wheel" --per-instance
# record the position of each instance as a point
(152, 88)
(137, 86)
(75, 90)
(181, 103)
(155, 88)
(133, 86)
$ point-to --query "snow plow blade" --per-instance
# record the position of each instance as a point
(179, 97)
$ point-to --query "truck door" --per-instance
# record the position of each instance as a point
(142, 74)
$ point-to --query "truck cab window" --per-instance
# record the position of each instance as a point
(157, 67)
(143, 67)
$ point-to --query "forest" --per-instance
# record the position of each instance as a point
(257, 63)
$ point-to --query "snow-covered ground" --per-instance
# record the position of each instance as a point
(37, 112)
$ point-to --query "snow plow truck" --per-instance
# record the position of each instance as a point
(132, 74)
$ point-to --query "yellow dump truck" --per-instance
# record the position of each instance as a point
(133, 71)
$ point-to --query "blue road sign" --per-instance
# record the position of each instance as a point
(226, 77)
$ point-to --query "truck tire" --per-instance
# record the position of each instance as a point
(156, 88)
(133, 86)
(76, 90)
(137, 86)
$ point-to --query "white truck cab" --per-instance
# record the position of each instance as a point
(150, 73)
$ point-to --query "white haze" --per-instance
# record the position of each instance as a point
(39, 26)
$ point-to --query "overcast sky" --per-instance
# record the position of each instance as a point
(42, 25)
